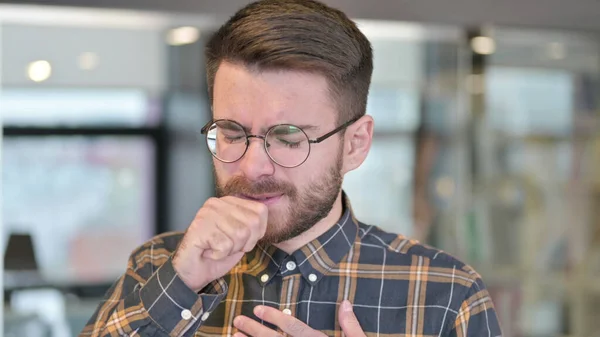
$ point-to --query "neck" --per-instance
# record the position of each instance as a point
(317, 230)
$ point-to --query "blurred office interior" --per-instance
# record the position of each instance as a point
(487, 145)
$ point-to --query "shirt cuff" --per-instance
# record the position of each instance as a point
(173, 306)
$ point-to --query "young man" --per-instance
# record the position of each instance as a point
(279, 251)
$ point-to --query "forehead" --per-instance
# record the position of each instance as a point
(259, 99)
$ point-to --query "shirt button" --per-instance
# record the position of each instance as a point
(186, 314)
(312, 277)
(287, 311)
(291, 265)
(205, 316)
(264, 278)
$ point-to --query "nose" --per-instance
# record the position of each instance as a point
(256, 162)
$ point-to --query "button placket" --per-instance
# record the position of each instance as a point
(290, 265)
(289, 293)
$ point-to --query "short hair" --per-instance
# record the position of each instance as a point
(302, 35)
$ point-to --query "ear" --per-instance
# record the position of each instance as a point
(357, 143)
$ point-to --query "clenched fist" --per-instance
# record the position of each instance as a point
(222, 231)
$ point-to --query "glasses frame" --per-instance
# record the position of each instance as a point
(317, 140)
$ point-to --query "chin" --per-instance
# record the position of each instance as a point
(279, 229)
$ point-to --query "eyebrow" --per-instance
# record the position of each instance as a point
(304, 127)
(307, 127)
(230, 125)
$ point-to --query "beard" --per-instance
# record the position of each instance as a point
(305, 207)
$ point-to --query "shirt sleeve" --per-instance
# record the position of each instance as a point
(150, 300)
(476, 316)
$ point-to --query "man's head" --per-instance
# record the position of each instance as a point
(294, 62)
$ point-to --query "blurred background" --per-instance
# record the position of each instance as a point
(487, 145)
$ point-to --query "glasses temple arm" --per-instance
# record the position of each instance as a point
(205, 127)
(334, 131)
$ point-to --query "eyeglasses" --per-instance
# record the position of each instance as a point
(287, 145)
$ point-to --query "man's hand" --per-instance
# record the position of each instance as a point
(222, 231)
(292, 326)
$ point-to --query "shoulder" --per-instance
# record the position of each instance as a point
(402, 251)
(442, 280)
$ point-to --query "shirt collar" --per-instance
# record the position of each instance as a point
(314, 260)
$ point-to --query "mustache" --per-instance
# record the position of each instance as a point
(242, 185)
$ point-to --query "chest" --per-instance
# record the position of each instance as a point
(384, 307)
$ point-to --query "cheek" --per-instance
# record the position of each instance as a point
(307, 174)
(324, 155)
(296, 177)
(223, 171)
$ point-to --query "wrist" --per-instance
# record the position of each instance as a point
(189, 279)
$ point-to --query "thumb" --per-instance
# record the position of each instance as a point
(348, 321)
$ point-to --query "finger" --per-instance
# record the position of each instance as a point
(287, 323)
(239, 334)
(228, 260)
(255, 208)
(209, 237)
(253, 328)
(225, 215)
(252, 208)
(348, 321)
(220, 245)
(235, 229)
(249, 214)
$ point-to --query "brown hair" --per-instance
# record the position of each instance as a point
(303, 35)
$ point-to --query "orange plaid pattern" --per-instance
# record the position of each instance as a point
(397, 287)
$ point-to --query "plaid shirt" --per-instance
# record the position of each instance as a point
(397, 287)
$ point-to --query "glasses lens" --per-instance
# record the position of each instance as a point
(226, 140)
(287, 145)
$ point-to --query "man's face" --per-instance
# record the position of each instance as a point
(298, 197)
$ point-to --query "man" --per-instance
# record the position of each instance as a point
(279, 251)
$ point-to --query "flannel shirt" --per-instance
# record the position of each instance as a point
(398, 287)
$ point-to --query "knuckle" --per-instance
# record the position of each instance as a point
(193, 227)
(224, 244)
(228, 198)
(201, 214)
(260, 208)
(211, 202)
(242, 233)
(228, 244)
(253, 222)
(217, 238)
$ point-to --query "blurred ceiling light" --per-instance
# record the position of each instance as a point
(475, 84)
(39, 71)
(88, 61)
(483, 45)
(382, 29)
(556, 51)
(444, 187)
(183, 35)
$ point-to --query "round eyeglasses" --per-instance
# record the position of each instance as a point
(287, 145)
